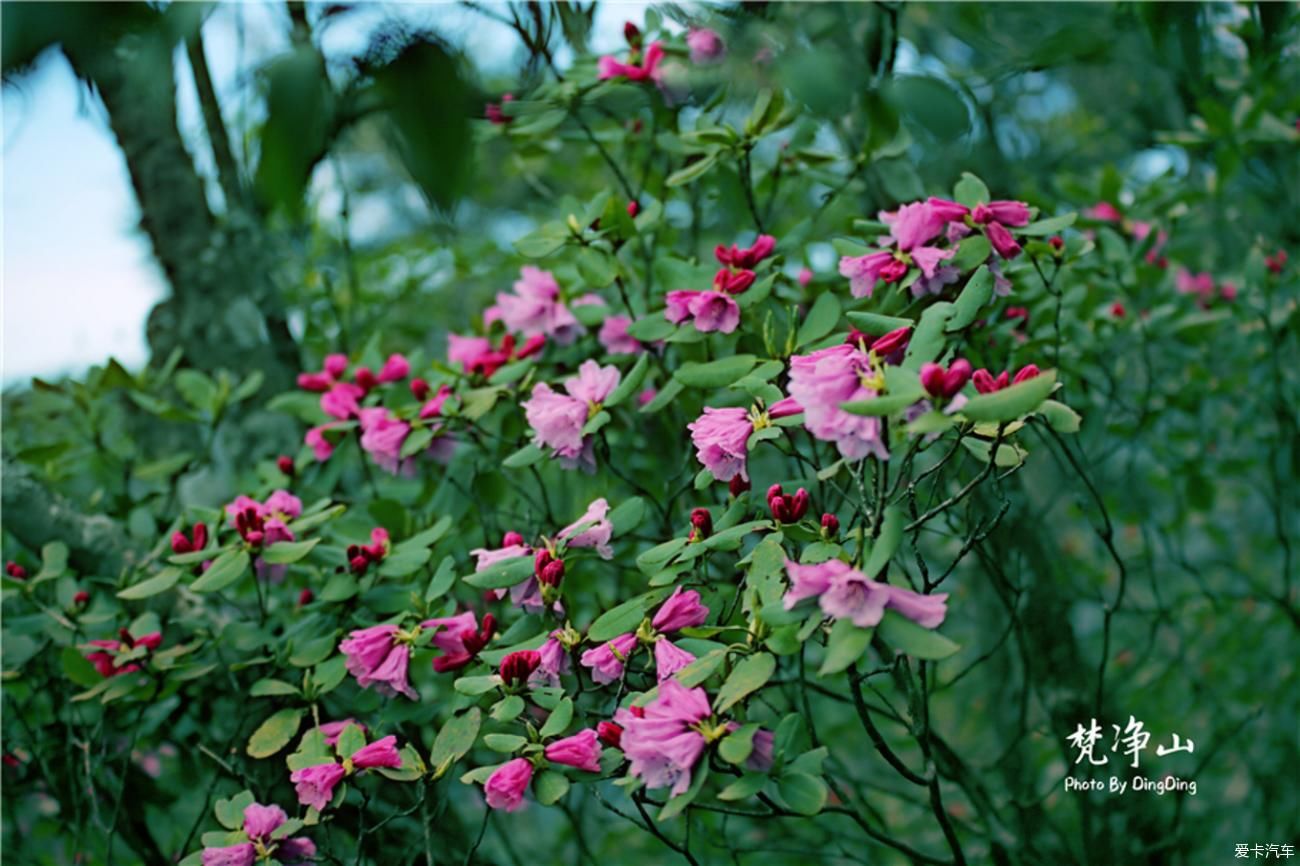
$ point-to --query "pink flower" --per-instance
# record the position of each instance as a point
(1103, 211)
(715, 311)
(805, 276)
(535, 308)
(380, 753)
(681, 610)
(376, 657)
(846, 593)
(315, 785)
(663, 746)
(865, 271)
(593, 383)
(646, 70)
(341, 401)
(332, 730)
(554, 660)
(579, 750)
(735, 257)
(669, 658)
(607, 660)
(614, 337)
(460, 638)
(1201, 284)
(395, 369)
(242, 854)
(321, 447)
(261, 821)
(557, 421)
(1003, 243)
(505, 788)
(721, 439)
(760, 759)
(820, 382)
(382, 435)
(939, 382)
(706, 46)
(592, 529)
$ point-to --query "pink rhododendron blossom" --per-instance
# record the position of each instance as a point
(706, 46)
(747, 258)
(395, 369)
(242, 854)
(553, 661)
(1103, 211)
(664, 745)
(322, 448)
(681, 610)
(669, 658)
(607, 660)
(592, 529)
(535, 308)
(721, 437)
(823, 380)
(505, 788)
(580, 750)
(614, 337)
(332, 730)
(1201, 285)
(557, 419)
(593, 383)
(315, 785)
(382, 435)
(646, 69)
(379, 656)
(381, 753)
(460, 638)
(940, 382)
(341, 401)
(104, 658)
(846, 593)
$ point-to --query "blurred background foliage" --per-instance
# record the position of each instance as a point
(356, 201)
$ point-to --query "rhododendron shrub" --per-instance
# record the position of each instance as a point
(670, 531)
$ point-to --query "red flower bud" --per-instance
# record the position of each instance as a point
(1028, 371)
(737, 485)
(632, 34)
(799, 505)
(16, 571)
(1057, 242)
(125, 637)
(306, 597)
(285, 464)
(830, 523)
(983, 381)
(774, 490)
(181, 544)
(365, 378)
(932, 378)
(81, 598)
(419, 389)
(1117, 310)
(541, 560)
(553, 573)
(938, 382)
(893, 341)
(517, 667)
(254, 537)
(610, 733)
(633, 208)
(702, 520)
(511, 538)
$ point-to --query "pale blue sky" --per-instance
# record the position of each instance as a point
(78, 276)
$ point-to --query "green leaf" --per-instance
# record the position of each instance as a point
(545, 240)
(627, 516)
(274, 733)
(971, 253)
(312, 652)
(629, 384)
(1009, 454)
(230, 812)
(743, 788)
(651, 328)
(351, 740)
(477, 685)
(747, 677)
(886, 404)
(77, 669)
(549, 786)
(295, 136)
(650, 560)
(882, 549)
(503, 574)
(714, 374)
(597, 422)
(666, 395)
(803, 793)
(1060, 417)
(676, 805)
(846, 645)
(225, 570)
(694, 171)
(597, 268)
(269, 687)
(970, 190)
(623, 618)
(977, 292)
(701, 669)
(454, 740)
(508, 708)
(416, 441)
(504, 743)
(160, 582)
(285, 552)
(1012, 402)
(876, 324)
(906, 636)
(736, 747)
(442, 579)
(1049, 226)
(932, 103)
(928, 338)
(820, 321)
(558, 720)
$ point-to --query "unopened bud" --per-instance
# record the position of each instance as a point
(306, 597)
(419, 389)
(610, 733)
(702, 520)
(552, 574)
(517, 667)
(830, 524)
(365, 378)
(738, 485)
(180, 543)
(81, 599)
(285, 464)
